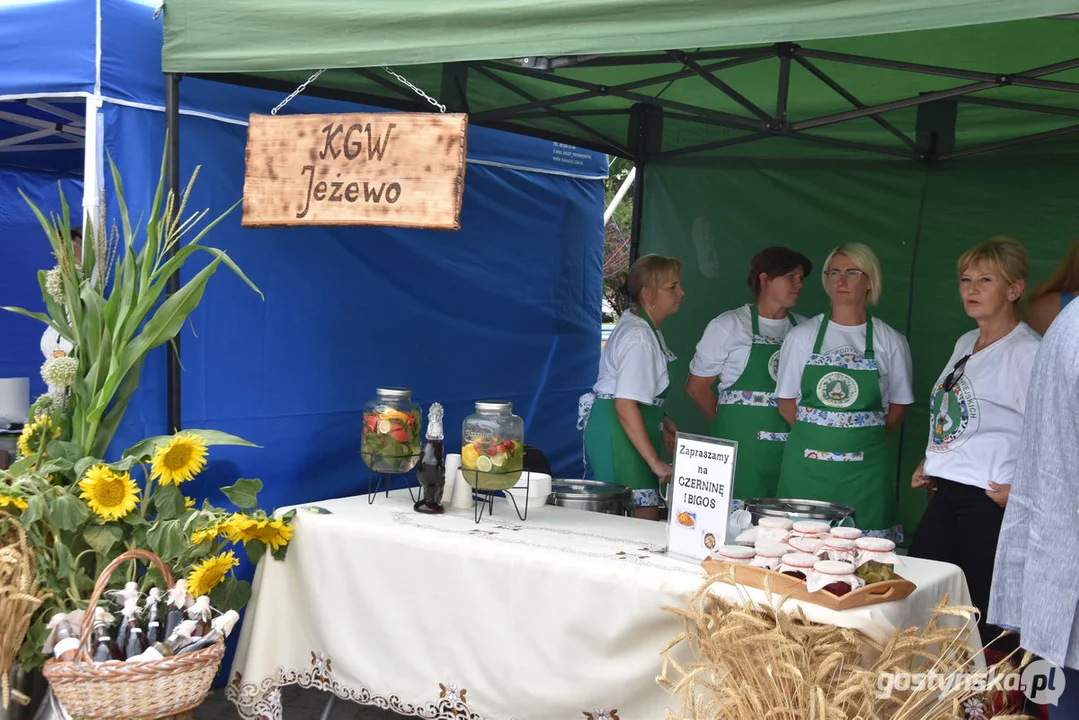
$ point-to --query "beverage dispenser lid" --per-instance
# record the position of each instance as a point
(493, 405)
(393, 392)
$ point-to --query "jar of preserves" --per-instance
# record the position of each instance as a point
(734, 554)
(391, 431)
(835, 576)
(811, 545)
(798, 564)
(769, 554)
(810, 528)
(838, 549)
(847, 533)
(492, 446)
(876, 559)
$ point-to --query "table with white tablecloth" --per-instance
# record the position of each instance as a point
(436, 616)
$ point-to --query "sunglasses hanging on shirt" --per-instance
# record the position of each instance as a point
(956, 374)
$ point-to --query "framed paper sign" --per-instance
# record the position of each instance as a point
(699, 497)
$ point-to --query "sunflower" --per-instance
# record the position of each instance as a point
(179, 460)
(209, 573)
(14, 501)
(33, 433)
(189, 503)
(274, 533)
(109, 494)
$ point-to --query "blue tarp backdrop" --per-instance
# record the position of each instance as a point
(508, 307)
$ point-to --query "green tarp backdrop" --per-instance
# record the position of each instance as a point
(920, 127)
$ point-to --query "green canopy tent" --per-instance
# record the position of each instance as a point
(918, 126)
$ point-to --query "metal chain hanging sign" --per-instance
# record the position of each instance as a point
(389, 169)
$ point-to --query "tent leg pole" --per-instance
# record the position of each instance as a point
(172, 179)
(638, 209)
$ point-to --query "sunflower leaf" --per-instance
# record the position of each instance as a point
(35, 510)
(102, 537)
(280, 552)
(85, 464)
(169, 502)
(65, 449)
(145, 449)
(244, 493)
(255, 550)
(231, 594)
(167, 539)
(68, 512)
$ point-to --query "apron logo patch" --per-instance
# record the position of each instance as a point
(952, 414)
(837, 390)
(773, 365)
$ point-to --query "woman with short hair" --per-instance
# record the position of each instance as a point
(976, 420)
(739, 355)
(844, 382)
(626, 429)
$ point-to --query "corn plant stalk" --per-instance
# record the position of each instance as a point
(113, 326)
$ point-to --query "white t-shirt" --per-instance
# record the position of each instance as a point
(974, 436)
(633, 365)
(724, 348)
(890, 349)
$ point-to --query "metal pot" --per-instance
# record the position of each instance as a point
(832, 513)
(592, 495)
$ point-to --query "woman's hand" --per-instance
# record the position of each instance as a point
(662, 470)
(998, 493)
(669, 431)
(919, 480)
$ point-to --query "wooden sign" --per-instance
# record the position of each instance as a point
(699, 498)
(391, 169)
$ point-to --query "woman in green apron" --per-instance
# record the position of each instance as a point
(626, 431)
(844, 382)
(739, 355)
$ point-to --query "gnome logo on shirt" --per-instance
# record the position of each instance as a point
(952, 415)
(837, 390)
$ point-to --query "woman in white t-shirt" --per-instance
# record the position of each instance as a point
(739, 354)
(627, 430)
(976, 421)
(844, 381)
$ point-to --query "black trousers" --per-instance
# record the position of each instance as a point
(961, 526)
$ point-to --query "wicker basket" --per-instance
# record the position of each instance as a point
(122, 690)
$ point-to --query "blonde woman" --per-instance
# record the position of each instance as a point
(976, 420)
(1053, 295)
(844, 381)
(627, 430)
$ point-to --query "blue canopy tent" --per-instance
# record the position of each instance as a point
(507, 307)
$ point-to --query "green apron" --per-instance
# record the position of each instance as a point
(610, 451)
(748, 412)
(838, 450)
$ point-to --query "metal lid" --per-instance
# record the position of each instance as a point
(566, 489)
(394, 393)
(799, 509)
(494, 406)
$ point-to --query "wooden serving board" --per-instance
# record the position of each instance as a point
(796, 589)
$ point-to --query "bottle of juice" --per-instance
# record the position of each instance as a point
(431, 470)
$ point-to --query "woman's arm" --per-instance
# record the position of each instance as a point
(629, 414)
(895, 416)
(700, 392)
(788, 409)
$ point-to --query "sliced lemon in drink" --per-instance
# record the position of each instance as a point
(483, 463)
(384, 426)
(499, 460)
